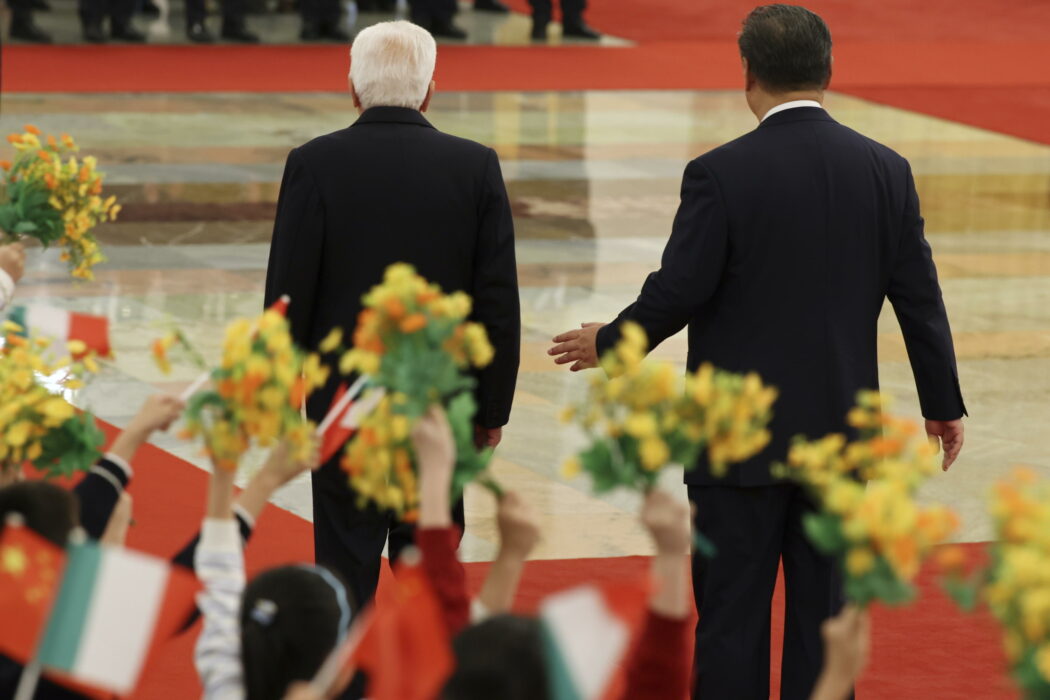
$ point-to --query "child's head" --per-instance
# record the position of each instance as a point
(49, 510)
(291, 619)
(501, 657)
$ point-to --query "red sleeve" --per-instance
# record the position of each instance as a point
(659, 667)
(446, 574)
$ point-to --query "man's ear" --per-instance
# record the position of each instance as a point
(749, 78)
(353, 93)
(430, 95)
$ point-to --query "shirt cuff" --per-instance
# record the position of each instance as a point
(220, 535)
(119, 461)
(7, 289)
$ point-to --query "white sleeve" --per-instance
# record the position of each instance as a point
(219, 563)
(7, 289)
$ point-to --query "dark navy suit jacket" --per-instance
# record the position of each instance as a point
(786, 244)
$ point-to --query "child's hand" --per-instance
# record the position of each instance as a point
(433, 442)
(668, 521)
(13, 260)
(519, 531)
(158, 413)
(847, 641)
(282, 466)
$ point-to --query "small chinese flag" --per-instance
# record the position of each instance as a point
(30, 571)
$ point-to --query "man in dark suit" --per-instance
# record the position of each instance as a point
(786, 243)
(391, 188)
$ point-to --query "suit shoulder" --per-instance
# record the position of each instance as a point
(321, 144)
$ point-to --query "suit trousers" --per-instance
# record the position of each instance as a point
(233, 12)
(119, 12)
(753, 529)
(571, 11)
(349, 539)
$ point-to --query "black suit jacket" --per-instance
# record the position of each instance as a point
(785, 245)
(392, 188)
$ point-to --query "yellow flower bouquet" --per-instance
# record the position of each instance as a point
(51, 196)
(257, 392)
(1015, 583)
(877, 531)
(417, 347)
(644, 416)
(38, 425)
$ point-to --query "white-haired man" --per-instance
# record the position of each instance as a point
(391, 188)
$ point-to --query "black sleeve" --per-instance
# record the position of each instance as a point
(184, 557)
(690, 270)
(496, 303)
(97, 494)
(297, 247)
(916, 297)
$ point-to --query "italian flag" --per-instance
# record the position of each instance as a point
(587, 632)
(63, 326)
(114, 606)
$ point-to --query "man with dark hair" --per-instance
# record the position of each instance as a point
(786, 244)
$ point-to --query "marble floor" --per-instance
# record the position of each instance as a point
(594, 180)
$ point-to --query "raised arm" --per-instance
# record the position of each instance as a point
(101, 489)
(496, 303)
(916, 297)
(519, 532)
(660, 664)
(297, 246)
(436, 537)
(12, 266)
(690, 272)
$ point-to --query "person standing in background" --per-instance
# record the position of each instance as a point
(572, 22)
(321, 20)
(93, 14)
(436, 17)
(23, 27)
(233, 25)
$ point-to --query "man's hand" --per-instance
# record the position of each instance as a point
(13, 260)
(579, 347)
(949, 435)
(487, 437)
(668, 522)
(847, 643)
(519, 531)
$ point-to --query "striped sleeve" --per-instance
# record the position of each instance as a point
(219, 563)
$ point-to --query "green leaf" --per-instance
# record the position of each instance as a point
(825, 532)
(965, 594)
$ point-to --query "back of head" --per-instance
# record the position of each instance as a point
(291, 619)
(787, 48)
(392, 64)
(49, 510)
(501, 657)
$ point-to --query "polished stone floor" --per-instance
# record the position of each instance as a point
(594, 182)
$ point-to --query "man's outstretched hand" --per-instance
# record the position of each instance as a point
(949, 435)
(579, 347)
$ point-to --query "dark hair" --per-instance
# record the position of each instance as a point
(787, 47)
(291, 619)
(49, 510)
(501, 657)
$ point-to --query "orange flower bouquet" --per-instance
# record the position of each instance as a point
(37, 424)
(51, 196)
(257, 391)
(878, 531)
(417, 347)
(644, 416)
(1015, 584)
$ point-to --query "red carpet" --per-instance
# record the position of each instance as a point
(926, 651)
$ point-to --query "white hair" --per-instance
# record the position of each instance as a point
(392, 64)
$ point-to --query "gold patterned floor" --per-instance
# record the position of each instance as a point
(594, 182)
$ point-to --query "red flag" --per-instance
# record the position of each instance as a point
(336, 434)
(281, 305)
(408, 632)
(30, 570)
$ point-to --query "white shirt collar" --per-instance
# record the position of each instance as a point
(791, 105)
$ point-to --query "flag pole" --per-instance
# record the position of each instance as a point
(28, 681)
(341, 405)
